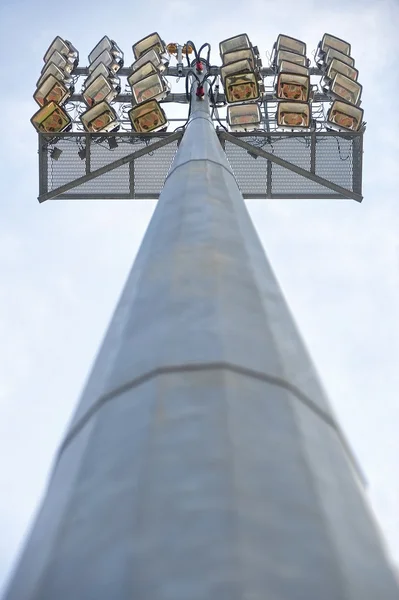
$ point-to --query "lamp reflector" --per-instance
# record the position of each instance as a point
(100, 89)
(336, 66)
(52, 90)
(243, 117)
(51, 118)
(284, 42)
(241, 87)
(346, 88)
(345, 116)
(147, 69)
(294, 87)
(150, 42)
(241, 66)
(147, 117)
(293, 57)
(52, 69)
(332, 53)
(289, 67)
(152, 87)
(330, 41)
(106, 44)
(236, 55)
(101, 69)
(64, 48)
(59, 61)
(150, 56)
(111, 62)
(238, 42)
(293, 115)
(101, 117)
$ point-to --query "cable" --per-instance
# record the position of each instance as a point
(208, 56)
(190, 43)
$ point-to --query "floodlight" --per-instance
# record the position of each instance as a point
(330, 41)
(52, 90)
(147, 117)
(336, 66)
(150, 42)
(106, 44)
(347, 89)
(284, 42)
(55, 153)
(100, 89)
(59, 61)
(151, 56)
(241, 87)
(64, 48)
(345, 116)
(241, 66)
(293, 115)
(243, 117)
(101, 69)
(238, 42)
(57, 73)
(51, 118)
(112, 63)
(101, 117)
(332, 53)
(152, 87)
(294, 87)
(293, 57)
(236, 55)
(148, 68)
(289, 67)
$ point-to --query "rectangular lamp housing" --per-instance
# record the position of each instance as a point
(147, 117)
(336, 66)
(101, 117)
(65, 48)
(284, 42)
(345, 116)
(241, 87)
(332, 53)
(152, 87)
(150, 56)
(52, 90)
(238, 42)
(243, 117)
(346, 89)
(105, 44)
(293, 87)
(293, 57)
(288, 67)
(100, 89)
(330, 41)
(51, 118)
(236, 55)
(293, 115)
(150, 42)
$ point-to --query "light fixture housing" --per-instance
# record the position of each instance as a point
(346, 89)
(51, 118)
(59, 61)
(241, 87)
(332, 53)
(293, 87)
(330, 41)
(150, 42)
(293, 57)
(52, 90)
(145, 70)
(336, 66)
(241, 66)
(285, 42)
(293, 115)
(52, 69)
(236, 55)
(147, 117)
(238, 42)
(106, 44)
(63, 47)
(345, 116)
(289, 67)
(100, 89)
(151, 87)
(243, 117)
(101, 69)
(101, 117)
(113, 63)
(159, 62)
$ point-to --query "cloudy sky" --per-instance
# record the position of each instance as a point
(63, 264)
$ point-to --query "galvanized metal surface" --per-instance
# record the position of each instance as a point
(203, 460)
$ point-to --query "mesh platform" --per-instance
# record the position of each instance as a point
(334, 157)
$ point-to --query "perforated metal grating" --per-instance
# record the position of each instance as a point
(335, 157)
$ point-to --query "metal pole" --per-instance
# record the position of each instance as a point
(203, 461)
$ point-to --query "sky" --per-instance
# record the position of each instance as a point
(63, 263)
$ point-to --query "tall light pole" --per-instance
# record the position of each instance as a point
(203, 460)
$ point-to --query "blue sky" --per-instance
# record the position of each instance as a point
(63, 264)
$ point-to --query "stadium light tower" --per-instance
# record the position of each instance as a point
(204, 460)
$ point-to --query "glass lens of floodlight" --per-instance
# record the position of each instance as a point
(100, 89)
(293, 87)
(345, 116)
(101, 117)
(100, 69)
(57, 44)
(151, 42)
(293, 114)
(238, 42)
(332, 53)
(144, 71)
(147, 117)
(346, 88)
(59, 61)
(298, 59)
(243, 116)
(246, 54)
(104, 44)
(241, 66)
(241, 87)
(107, 59)
(151, 87)
(289, 67)
(150, 56)
(51, 118)
(284, 42)
(56, 72)
(336, 66)
(330, 41)
(52, 90)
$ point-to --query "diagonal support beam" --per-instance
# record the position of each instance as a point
(110, 167)
(290, 166)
